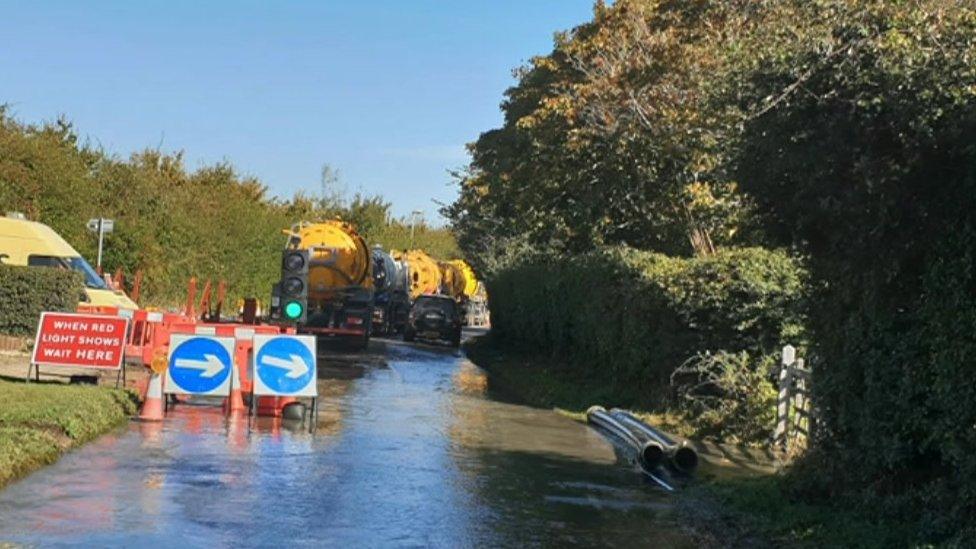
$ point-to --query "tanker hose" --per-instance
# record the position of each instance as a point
(649, 453)
(681, 456)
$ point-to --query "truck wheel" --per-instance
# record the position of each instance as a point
(456, 340)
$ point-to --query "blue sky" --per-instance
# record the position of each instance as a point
(386, 91)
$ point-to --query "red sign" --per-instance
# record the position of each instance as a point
(81, 341)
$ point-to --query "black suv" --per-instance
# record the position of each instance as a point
(434, 317)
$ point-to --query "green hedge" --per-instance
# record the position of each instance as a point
(27, 291)
(632, 318)
(871, 172)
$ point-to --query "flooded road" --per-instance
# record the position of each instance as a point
(410, 450)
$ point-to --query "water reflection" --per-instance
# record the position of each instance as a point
(548, 479)
(411, 452)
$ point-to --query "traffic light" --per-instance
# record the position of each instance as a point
(293, 288)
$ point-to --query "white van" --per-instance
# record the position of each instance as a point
(31, 244)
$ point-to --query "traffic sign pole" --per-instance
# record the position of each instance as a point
(101, 226)
(313, 420)
(101, 238)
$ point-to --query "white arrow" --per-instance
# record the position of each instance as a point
(211, 365)
(296, 366)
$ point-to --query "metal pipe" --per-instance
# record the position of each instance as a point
(681, 456)
(650, 453)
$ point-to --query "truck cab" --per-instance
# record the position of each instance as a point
(30, 244)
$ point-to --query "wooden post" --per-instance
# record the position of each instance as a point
(802, 414)
(783, 402)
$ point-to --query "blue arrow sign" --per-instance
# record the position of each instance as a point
(199, 365)
(285, 365)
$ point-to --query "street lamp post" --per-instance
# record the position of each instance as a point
(413, 222)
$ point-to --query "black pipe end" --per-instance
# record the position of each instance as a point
(651, 455)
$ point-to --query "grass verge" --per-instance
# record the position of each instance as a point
(41, 421)
(729, 510)
(762, 507)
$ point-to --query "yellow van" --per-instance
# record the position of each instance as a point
(31, 244)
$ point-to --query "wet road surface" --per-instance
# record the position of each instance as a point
(410, 451)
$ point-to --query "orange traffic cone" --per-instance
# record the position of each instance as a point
(234, 404)
(152, 407)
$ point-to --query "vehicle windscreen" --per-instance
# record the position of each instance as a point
(443, 305)
(92, 280)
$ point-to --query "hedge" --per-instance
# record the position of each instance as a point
(27, 291)
(871, 172)
(632, 317)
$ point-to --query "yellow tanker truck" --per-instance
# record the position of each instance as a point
(459, 282)
(452, 280)
(338, 281)
(423, 271)
(470, 286)
(392, 298)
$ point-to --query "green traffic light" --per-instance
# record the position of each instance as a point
(293, 309)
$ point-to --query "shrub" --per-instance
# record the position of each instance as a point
(727, 395)
(632, 317)
(27, 291)
(871, 171)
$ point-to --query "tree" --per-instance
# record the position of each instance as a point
(333, 195)
(614, 138)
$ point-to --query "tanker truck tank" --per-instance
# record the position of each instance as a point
(340, 281)
(469, 293)
(424, 275)
(452, 280)
(392, 300)
(470, 280)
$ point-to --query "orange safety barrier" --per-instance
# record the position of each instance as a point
(243, 335)
(119, 279)
(150, 331)
(191, 296)
(205, 301)
(221, 294)
(136, 287)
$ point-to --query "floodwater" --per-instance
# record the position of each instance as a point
(410, 451)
